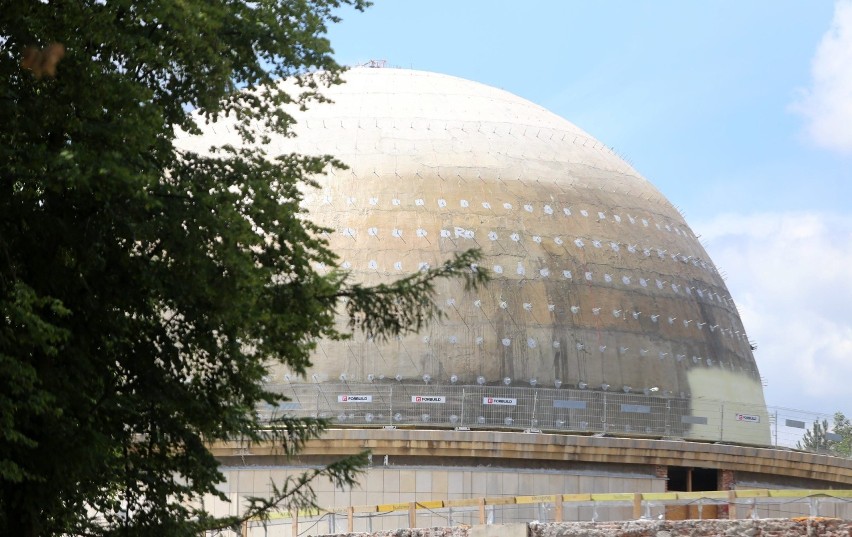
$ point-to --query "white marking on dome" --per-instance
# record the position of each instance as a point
(486, 205)
(531, 343)
(498, 269)
(372, 231)
(398, 265)
(507, 206)
(445, 233)
(453, 340)
(395, 202)
(579, 243)
(643, 282)
(425, 339)
(596, 311)
(646, 252)
(625, 280)
(602, 348)
(659, 284)
(477, 303)
(372, 264)
(580, 346)
(506, 341)
(607, 278)
(464, 204)
(442, 203)
(675, 287)
(548, 209)
(558, 240)
(504, 304)
(351, 200)
(527, 306)
(644, 222)
(584, 212)
(419, 202)
(528, 208)
(551, 307)
(555, 344)
(521, 270)
(575, 309)
(374, 201)
(346, 265)
(617, 218)
(326, 199)
(545, 272)
(632, 220)
(423, 266)
(451, 302)
(515, 237)
(479, 340)
(567, 211)
(615, 247)
(601, 215)
(588, 276)
(460, 232)
(536, 239)
(349, 232)
(492, 235)
(421, 232)
(596, 243)
(566, 274)
(616, 313)
(397, 233)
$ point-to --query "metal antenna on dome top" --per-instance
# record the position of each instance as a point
(376, 64)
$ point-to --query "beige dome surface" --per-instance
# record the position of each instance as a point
(604, 311)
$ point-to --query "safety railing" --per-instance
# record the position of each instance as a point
(733, 504)
(569, 410)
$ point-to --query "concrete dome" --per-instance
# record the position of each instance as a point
(601, 292)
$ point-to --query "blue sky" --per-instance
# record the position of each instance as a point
(739, 112)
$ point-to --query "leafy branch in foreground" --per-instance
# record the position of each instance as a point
(146, 289)
(389, 309)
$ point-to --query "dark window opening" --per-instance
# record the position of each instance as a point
(683, 479)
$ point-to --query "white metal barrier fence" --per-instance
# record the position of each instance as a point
(547, 409)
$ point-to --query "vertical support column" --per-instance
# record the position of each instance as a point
(732, 506)
(727, 481)
(637, 505)
(558, 505)
(412, 514)
(662, 472)
(294, 525)
(350, 519)
(482, 510)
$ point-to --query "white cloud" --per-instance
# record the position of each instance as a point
(827, 105)
(791, 276)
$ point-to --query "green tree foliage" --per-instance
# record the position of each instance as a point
(144, 289)
(818, 438)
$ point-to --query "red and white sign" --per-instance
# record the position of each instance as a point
(428, 399)
(354, 398)
(749, 418)
(506, 401)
